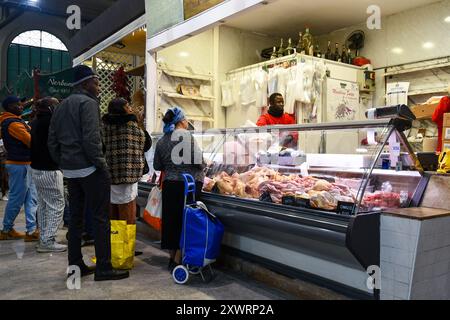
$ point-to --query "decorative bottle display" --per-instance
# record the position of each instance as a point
(274, 54)
(289, 50)
(344, 58)
(300, 48)
(281, 50)
(329, 54)
(349, 56)
(307, 42)
(337, 56)
(317, 52)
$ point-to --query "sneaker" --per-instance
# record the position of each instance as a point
(5, 198)
(32, 237)
(12, 235)
(53, 247)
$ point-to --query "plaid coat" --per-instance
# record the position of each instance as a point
(124, 148)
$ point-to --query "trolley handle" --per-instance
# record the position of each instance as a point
(189, 184)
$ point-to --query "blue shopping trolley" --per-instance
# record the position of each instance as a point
(201, 236)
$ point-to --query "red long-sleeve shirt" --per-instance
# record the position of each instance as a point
(438, 118)
(285, 119)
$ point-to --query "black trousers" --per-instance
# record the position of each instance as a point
(172, 212)
(93, 192)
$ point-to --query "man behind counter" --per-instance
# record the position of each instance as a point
(276, 116)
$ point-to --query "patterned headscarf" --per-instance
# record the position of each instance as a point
(179, 116)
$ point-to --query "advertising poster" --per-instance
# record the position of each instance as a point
(342, 101)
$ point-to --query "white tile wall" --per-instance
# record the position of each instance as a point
(402, 274)
(401, 290)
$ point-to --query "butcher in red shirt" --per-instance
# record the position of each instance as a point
(438, 118)
(276, 116)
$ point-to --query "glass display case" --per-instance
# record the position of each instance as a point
(335, 168)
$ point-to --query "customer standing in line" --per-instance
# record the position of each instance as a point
(47, 178)
(75, 144)
(174, 164)
(125, 146)
(17, 140)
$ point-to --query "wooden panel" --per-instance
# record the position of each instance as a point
(194, 7)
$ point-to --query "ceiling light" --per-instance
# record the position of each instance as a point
(184, 54)
(397, 50)
(428, 45)
(119, 45)
(447, 19)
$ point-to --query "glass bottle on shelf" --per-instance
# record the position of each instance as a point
(349, 56)
(274, 54)
(300, 48)
(317, 52)
(289, 50)
(329, 54)
(308, 42)
(344, 58)
(337, 56)
(281, 50)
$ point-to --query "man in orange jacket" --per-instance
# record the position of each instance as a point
(276, 116)
(17, 141)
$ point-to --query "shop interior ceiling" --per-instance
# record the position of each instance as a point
(133, 43)
(281, 18)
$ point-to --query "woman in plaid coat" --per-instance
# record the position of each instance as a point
(125, 144)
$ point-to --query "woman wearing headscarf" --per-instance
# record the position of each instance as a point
(176, 153)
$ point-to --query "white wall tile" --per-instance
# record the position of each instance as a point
(402, 274)
(387, 286)
(401, 290)
(386, 253)
(424, 258)
(387, 270)
(441, 269)
(442, 254)
(402, 257)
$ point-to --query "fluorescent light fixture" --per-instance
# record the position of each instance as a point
(184, 54)
(428, 45)
(447, 19)
(397, 50)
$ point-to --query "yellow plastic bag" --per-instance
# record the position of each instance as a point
(123, 243)
(444, 162)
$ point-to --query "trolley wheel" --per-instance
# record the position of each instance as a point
(180, 274)
(194, 270)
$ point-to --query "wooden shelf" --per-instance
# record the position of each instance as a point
(180, 74)
(200, 118)
(175, 95)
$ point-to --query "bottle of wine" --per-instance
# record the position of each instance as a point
(289, 50)
(300, 48)
(349, 56)
(274, 54)
(308, 43)
(329, 54)
(317, 52)
(344, 58)
(281, 50)
(337, 56)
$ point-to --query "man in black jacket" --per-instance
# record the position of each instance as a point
(47, 178)
(74, 143)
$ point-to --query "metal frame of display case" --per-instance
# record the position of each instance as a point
(350, 242)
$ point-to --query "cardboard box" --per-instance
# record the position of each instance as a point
(430, 144)
(445, 145)
(424, 111)
(446, 133)
(447, 120)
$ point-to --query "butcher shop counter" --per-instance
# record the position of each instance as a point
(323, 227)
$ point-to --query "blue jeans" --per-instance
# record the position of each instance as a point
(22, 192)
